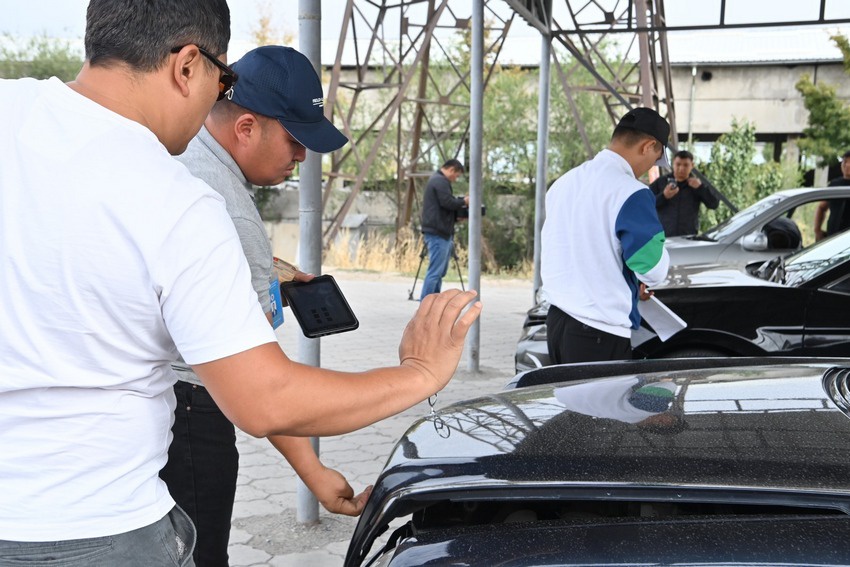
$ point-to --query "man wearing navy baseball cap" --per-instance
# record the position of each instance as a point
(254, 136)
(602, 244)
(280, 83)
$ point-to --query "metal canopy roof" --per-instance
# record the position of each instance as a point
(418, 108)
(618, 16)
(639, 75)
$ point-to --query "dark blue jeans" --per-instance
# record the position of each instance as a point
(439, 252)
(165, 543)
(201, 472)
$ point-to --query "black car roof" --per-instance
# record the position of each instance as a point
(772, 428)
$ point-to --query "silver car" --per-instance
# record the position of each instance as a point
(752, 234)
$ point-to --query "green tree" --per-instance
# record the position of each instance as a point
(843, 45)
(265, 32)
(828, 133)
(510, 153)
(41, 57)
(733, 172)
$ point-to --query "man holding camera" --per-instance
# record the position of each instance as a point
(678, 197)
(439, 212)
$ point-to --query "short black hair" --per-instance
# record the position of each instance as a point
(142, 34)
(453, 164)
(684, 154)
(846, 155)
(631, 137)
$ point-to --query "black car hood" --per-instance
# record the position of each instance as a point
(710, 275)
(708, 542)
(759, 428)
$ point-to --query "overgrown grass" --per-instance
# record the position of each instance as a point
(384, 253)
(378, 253)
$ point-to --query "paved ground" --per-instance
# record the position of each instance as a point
(265, 530)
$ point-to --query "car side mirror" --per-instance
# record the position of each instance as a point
(755, 241)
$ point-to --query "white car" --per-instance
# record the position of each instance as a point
(747, 236)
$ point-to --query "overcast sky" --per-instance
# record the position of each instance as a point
(66, 18)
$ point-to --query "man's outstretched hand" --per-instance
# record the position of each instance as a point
(433, 340)
(336, 495)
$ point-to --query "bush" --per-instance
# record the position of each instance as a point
(733, 172)
(40, 58)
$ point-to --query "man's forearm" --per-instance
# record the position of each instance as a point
(820, 214)
(300, 455)
(708, 196)
(264, 393)
(288, 398)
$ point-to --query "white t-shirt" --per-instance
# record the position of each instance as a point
(112, 259)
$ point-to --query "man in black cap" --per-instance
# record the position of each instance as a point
(602, 244)
(255, 137)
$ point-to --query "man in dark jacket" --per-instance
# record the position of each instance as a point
(439, 209)
(677, 197)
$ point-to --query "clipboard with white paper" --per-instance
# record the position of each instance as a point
(663, 321)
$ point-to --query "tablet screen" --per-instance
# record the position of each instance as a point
(319, 306)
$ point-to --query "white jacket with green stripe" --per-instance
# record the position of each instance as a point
(601, 236)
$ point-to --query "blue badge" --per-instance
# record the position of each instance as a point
(277, 304)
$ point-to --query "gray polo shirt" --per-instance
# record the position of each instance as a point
(208, 160)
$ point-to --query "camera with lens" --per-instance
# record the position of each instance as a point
(464, 212)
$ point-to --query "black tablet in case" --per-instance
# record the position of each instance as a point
(319, 306)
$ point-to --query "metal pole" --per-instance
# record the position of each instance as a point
(691, 107)
(476, 133)
(387, 116)
(542, 162)
(643, 44)
(310, 224)
(419, 116)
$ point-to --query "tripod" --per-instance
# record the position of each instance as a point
(422, 259)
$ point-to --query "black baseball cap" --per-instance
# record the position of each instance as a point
(279, 82)
(648, 121)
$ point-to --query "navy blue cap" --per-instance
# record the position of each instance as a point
(279, 82)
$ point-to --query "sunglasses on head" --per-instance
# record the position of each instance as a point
(228, 77)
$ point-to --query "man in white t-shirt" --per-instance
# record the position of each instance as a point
(114, 260)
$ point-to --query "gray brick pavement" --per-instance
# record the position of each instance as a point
(265, 531)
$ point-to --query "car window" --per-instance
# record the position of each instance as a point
(815, 260)
(841, 286)
(739, 219)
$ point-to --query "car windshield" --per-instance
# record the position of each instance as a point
(815, 260)
(739, 219)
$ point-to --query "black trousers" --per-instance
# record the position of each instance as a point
(570, 340)
(201, 472)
